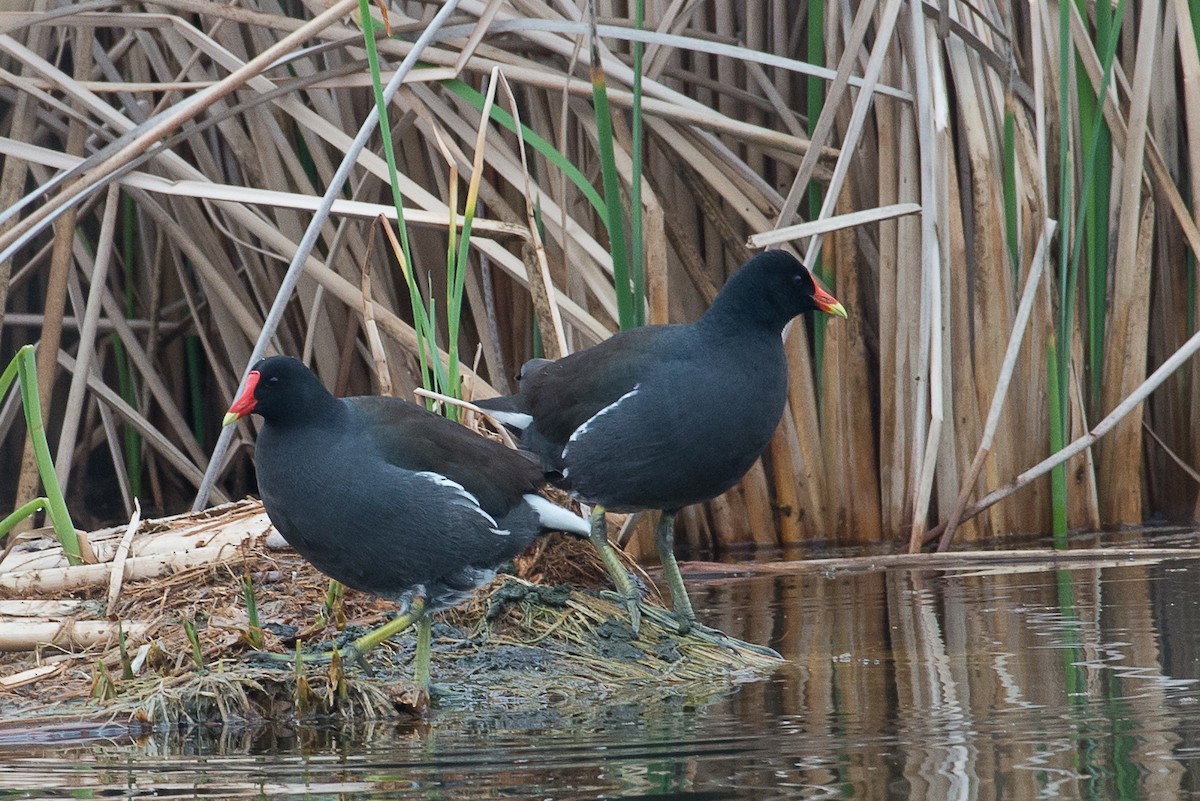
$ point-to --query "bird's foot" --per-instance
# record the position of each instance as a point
(633, 608)
(718, 637)
(272, 658)
(690, 627)
(349, 654)
(438, 691)
(673, 621)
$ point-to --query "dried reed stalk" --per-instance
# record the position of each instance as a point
(225, 126)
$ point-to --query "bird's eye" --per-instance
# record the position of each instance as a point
(273, 379)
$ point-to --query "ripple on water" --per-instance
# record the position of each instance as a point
(1077, 683)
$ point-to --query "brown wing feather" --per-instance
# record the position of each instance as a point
(416, 439)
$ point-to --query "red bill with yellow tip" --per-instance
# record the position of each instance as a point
(245, 402)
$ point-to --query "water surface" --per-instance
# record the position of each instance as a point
(978, 683)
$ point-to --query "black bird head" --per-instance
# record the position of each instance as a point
(282, 390)
(772, 288)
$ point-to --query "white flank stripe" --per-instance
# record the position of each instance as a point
(555, 517)
(465, 499)
(579, 432)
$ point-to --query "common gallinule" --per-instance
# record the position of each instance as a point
(667, 415)
(389, 498)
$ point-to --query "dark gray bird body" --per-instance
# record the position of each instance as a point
(389, 498)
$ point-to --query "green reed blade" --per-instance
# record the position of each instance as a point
(613, 207)
(425, 333)
(544, 148)
(132, 438)
(636, 219)
(814, 103)
(1058, 476)
(1011, 227)
(24, 366)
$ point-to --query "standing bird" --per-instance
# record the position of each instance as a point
(389, 498)
(665, 416)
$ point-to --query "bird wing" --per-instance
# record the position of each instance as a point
(565, 394)
(413, 438)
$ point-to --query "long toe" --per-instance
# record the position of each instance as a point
(438, 691)
(349, 654)
(274, 659)
(634, 607)
(718, 637)
(352, 655)
(699, 631)
(684, 623)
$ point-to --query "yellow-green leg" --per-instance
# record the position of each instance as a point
(616, 571)
(680, 603)
(421, 658)
(355, 650)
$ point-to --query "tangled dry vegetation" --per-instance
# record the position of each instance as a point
(1007, 189)
(519, 643)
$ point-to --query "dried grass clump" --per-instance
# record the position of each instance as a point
(518, 643)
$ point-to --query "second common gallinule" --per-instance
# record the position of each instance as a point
(667, 415)
(389, 498)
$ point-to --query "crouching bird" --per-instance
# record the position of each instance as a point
(666, 416)
(389, 498)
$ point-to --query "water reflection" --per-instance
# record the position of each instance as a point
(947, 684)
